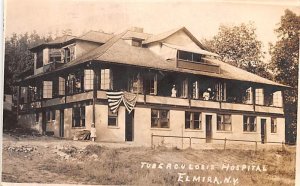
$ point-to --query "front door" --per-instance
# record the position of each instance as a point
(208, 122)
(61, 123)
(129, 126)
(263, 130)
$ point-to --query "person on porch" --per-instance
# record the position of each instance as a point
(206, 94)
(173, 92)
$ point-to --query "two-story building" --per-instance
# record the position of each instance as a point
(134, 84)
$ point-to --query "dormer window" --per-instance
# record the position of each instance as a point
(136, 42)
(67, 55)
(188, 56)
(54, 56)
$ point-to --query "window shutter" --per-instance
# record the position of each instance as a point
(62, 55)
(155, 84)
(72, 52)
(61, 86)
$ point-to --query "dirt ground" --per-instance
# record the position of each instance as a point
(40, 159)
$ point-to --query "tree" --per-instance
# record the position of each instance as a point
(284, 62)
(239, 46)
(18, 58)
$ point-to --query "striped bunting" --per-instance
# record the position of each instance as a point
(116, 98)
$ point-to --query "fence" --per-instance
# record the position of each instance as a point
(217, 139)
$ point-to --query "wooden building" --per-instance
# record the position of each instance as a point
(134, 84)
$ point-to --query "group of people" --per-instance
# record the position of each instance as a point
(207, 95)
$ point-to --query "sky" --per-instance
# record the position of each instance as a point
(201, 18)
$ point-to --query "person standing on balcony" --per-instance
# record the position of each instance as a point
(206, 94)
(173, 92)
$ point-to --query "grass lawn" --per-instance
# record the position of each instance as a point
(49, 160)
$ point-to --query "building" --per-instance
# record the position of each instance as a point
(134, 84)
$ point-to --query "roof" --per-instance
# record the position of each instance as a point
(95, 36)
(137, 35)
(56, 41)
(118, 51)
(190, 49)
(162, 36)
(61, 39)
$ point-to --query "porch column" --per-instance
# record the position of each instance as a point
(94, 95)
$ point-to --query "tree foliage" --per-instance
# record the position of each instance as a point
(284, 61)
(238, 45)
(18, 58)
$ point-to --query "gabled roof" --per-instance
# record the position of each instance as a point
(62, 39)
(56, 41)
(95, 36)
(118, 51)
(92, 36)
(137, 35)
(162, 36)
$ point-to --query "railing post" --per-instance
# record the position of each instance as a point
(255, 146)
(190, 142)
(225, 143)
(151, 140)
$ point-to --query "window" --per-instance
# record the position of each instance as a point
(53, 114)
(220, 88)
(189, 56)
(88, 79)
(136, 43)
(249, 124)
(193, 120)
(184, 88)
(248, 96)
(39, 59)
(224, 122)
(67, 55)
(106, 79)
(273, 125)
(75, 82)
(196, 90)
(136, 83)
(54, 56)
(151, 85)
(78, 117)
(259, 96)
(50, 115)
(61, 86)
(112, 118)
(277, 99)
(159, 118)
(47, 89)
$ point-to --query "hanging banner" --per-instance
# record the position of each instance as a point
(116, 98)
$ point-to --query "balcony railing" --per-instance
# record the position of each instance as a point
(51, 66)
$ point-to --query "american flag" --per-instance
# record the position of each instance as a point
(116, 98)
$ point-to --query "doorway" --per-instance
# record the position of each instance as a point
(263, 130)
(61, 123)
(129, 125)
(208, 123)
(44, 123)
